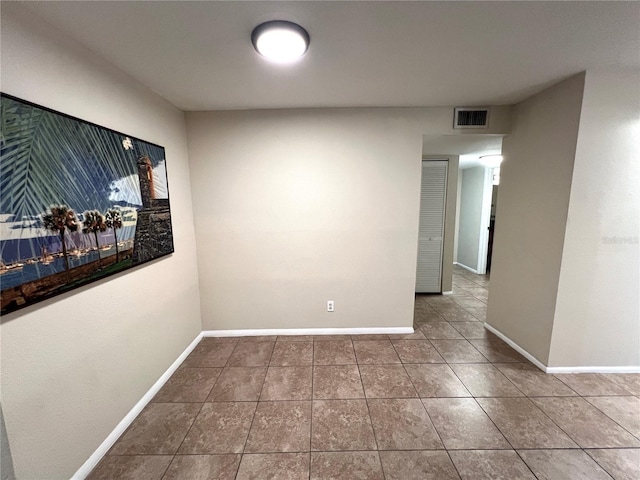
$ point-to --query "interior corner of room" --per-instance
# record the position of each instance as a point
(283, 209)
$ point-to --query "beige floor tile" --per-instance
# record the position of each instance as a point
(337, 382)
(287, 383)
(456, 313)
(210, 354)
(585, 424)
(207, 467)
(418, 465)
(479, 313)
(484, 380)
(251, 354)
(341, 425)
(533, 382)
(462, 424)
(416, 335)
(280, 427)
(440, 331)
(625, 411)
(336, 352)
(131, 467)
(188, 385)
(628, 381)
(375, 352)
(386, 381)
(458, 351)
(436, 381)
(469, 302)
(158, 430)
(283, 466)
(238, 384)
(621, 464)
(294, 338)
(472, 330)
(440, 301)
(417, 351)
(219, 428)
(425, 316)
(592, 384)
(563, 464)
(346, 466)
(331, 338)
(490, 465)
(258, 338)
(496, 350)
(402, 424)
(292, 354)
(371, 336)
(524, 424)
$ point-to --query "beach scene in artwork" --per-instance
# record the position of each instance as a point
(78, 202)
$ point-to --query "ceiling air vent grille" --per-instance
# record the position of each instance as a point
(471, 118)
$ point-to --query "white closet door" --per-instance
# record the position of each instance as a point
(430, 238)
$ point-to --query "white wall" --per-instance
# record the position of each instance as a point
(531, 215)
(297, 207)
(470, 225)
(73, 366)
(597, 317)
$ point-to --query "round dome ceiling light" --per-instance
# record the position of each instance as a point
(280, 41)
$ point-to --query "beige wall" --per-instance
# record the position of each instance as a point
(297, 207)
(532, 210)
(73, 366)
(470, 224)
(450, 223)
(597, 317)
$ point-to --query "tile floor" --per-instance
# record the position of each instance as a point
(447, 402)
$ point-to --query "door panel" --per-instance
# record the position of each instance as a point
(431, 234)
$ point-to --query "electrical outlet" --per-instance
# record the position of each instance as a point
(330, 306)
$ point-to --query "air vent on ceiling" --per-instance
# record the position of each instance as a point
(471, 117)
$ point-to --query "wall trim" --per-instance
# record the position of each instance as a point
(516, 347)
(467, 268)
(128, 419)
(562, 370)
(449, 292)
(559, 370)
(306, 331)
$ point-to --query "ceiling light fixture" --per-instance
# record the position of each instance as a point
(280, 41)
(491, 161)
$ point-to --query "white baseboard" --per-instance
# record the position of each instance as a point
(306, 331)
(562, 370)
(102, 450)
(559, 370)
(449, 292)
(466, 268)
(516, 347)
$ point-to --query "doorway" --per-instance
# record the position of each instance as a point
(433, 194)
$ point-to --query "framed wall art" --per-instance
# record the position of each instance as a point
(78, 202)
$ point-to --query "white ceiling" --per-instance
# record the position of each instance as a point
(198, 55)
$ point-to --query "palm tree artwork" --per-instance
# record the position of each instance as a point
(59, 219)
(113, 220)
(52, 166)
(93, 223)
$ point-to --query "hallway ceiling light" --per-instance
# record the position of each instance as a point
(280, 41)
(491, 161)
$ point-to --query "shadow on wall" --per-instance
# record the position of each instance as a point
(6, 463)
